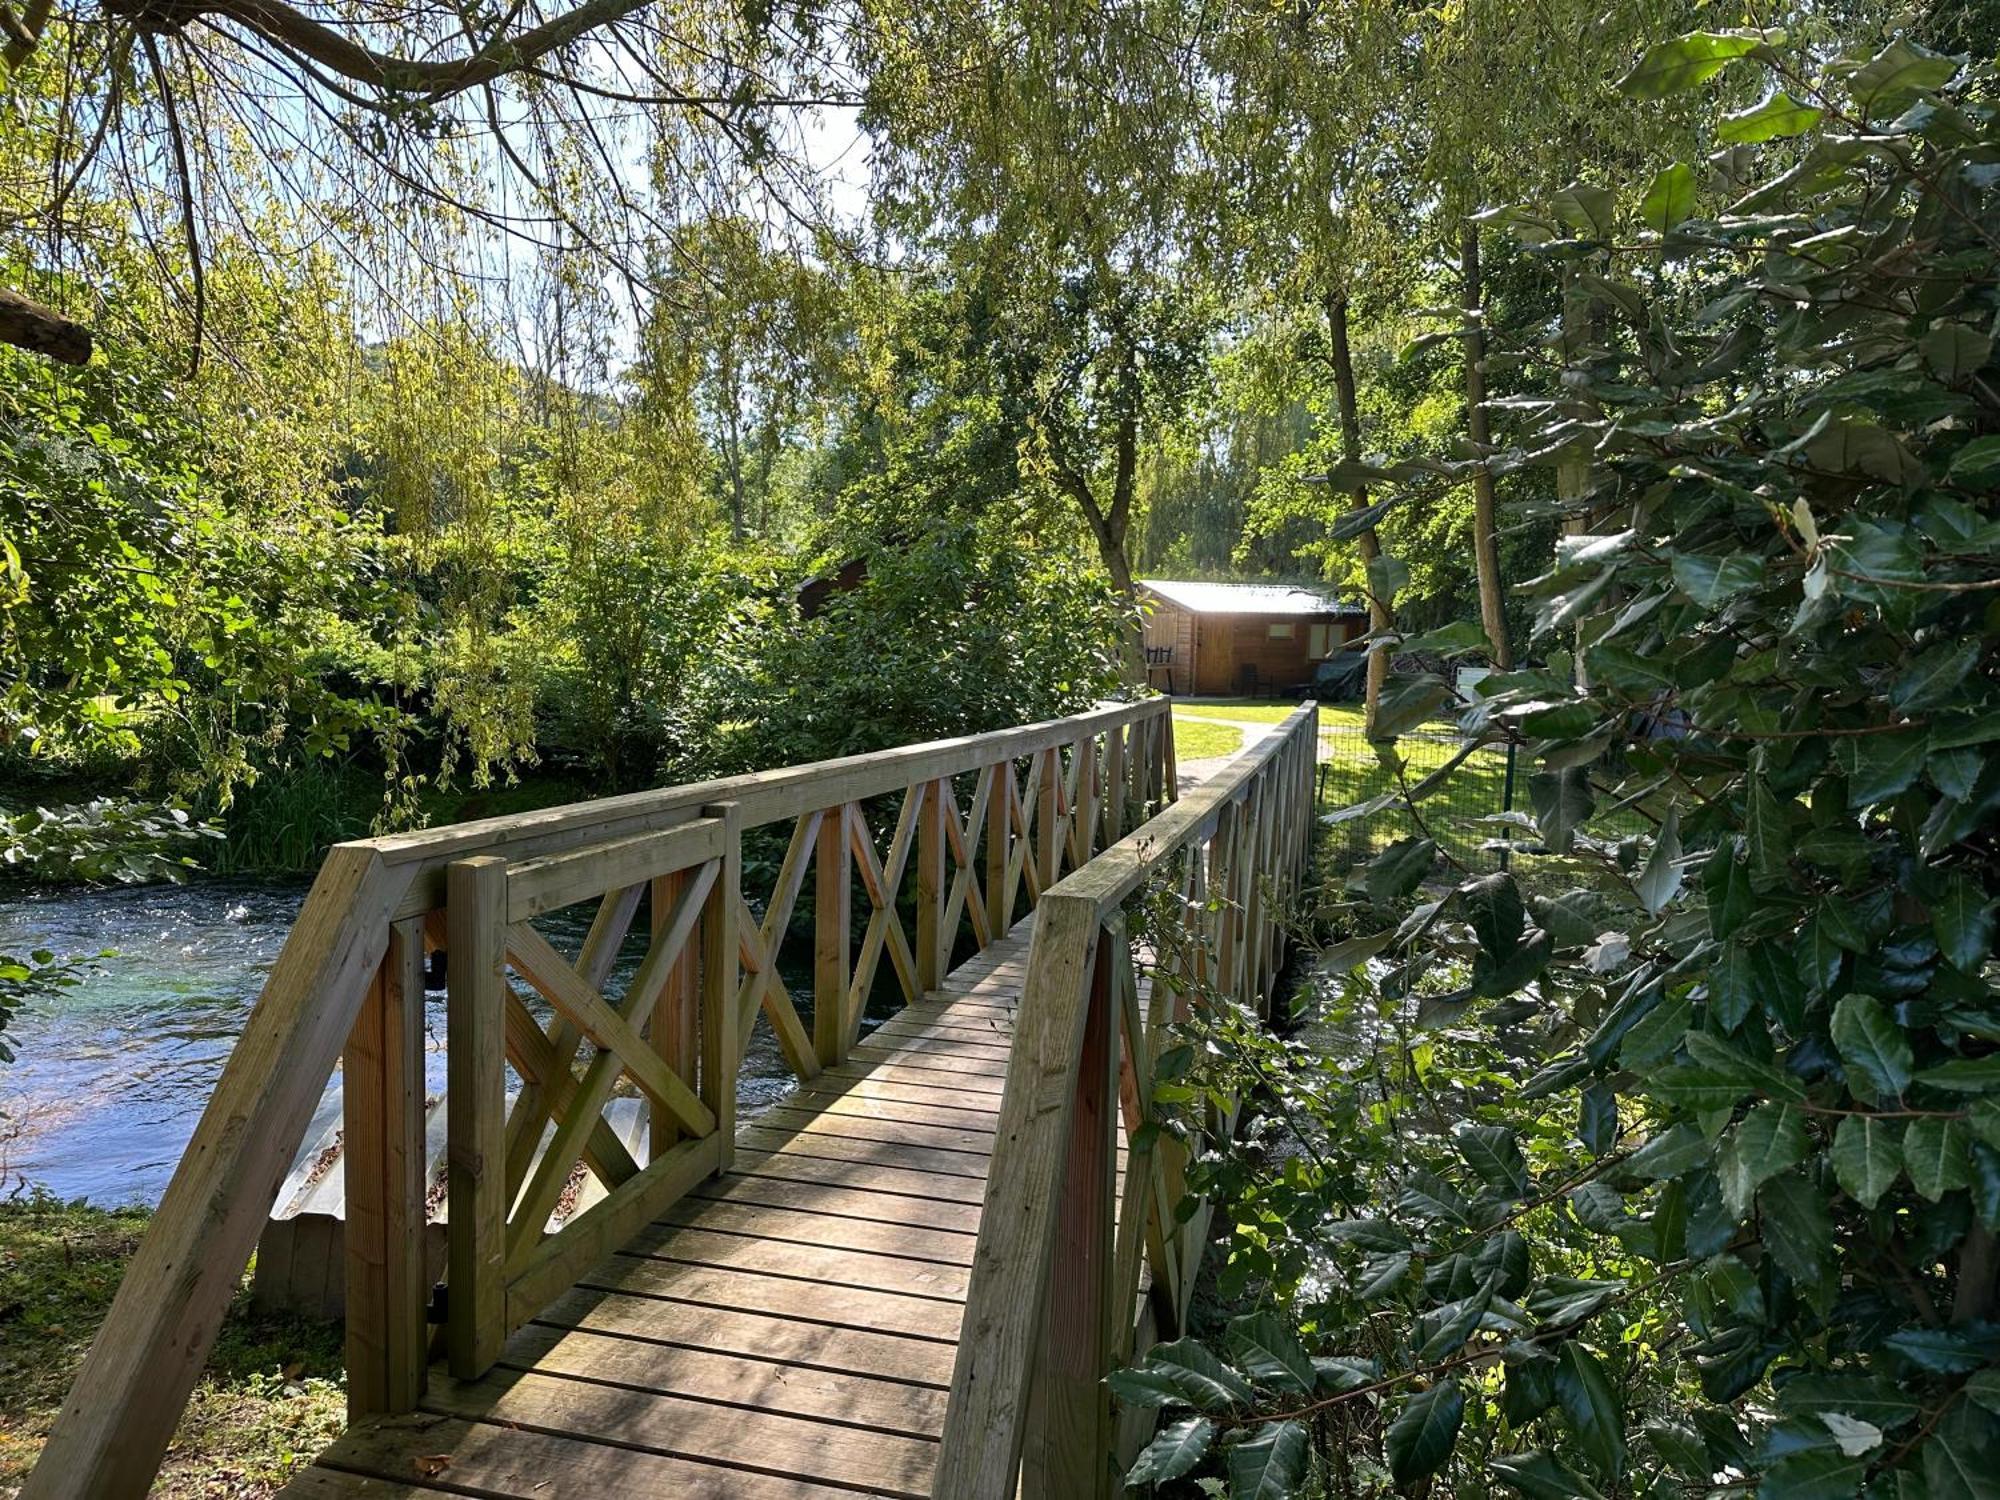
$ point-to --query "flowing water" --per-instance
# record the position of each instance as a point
(111, 1075)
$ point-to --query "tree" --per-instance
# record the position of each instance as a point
(1675, 1148)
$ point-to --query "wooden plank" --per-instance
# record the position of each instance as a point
(382, 1162)
(695, 1245)
(797, 1390)
(941, 1139)
(885, 929)
(866, 1107)
(515, 1463)
(122, 1409)
(1068, 1442)
(999, 837)
(928, 1052)
(721, 1050)
(933, 947)
(807, 1225)
(1048, 846)
(984, 1428)
(841, 1148)
(893, 1069)
(774, 1443)
(832, 913)
(749, 1291)
(833, 1201)
(675, 906)
(332, 1484)
(935, 1095)
(554, 881)
(476, 1102)
(918, 1364)
(924, 1189)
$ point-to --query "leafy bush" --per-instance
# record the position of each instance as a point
(100, 840)
(1686, 1177)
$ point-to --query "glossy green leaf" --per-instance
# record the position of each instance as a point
(1420, 1438)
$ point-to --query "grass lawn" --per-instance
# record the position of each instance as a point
(271, 1399)
(1194, 740)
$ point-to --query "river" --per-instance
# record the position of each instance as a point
(110, 1076)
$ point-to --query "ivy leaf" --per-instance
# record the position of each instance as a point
(1177, 1449)
(1397, 870)
(1726, 882)
(1268, 1464)
(1562, 801)
(1938, 1153)
(1492, 1152)
(1269, 1351)
(1660, 880)
(1713, 581)
(1541, 1476)
(1779, 115)
(1962, 921)
(1771, 1139)
(1670, 199)
(1682, 62)
(1421, 1437)
(1797, 1228)
(1590, 1407)
(1815, 1474)
(1873, 1047)
(1867, 1156)
(1669, 1154)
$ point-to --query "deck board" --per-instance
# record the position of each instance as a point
(787, 1330)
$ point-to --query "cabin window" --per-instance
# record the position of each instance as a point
(1281, 632)
(1321, 641)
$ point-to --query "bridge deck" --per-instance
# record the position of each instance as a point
(787, 1331)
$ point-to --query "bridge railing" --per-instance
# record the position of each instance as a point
(1072, 1271)
(979, 828)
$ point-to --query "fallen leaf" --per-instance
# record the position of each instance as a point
(430, 1465)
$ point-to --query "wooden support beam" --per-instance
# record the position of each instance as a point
(382, 1158)
(833, 879)
(476, 1112)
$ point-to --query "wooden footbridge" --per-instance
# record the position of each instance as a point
(909, 1278)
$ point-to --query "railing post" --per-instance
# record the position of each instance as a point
(1048, 857)
(1115, 788)
(933, 946)
(672, 1030)
(720, 1045)
(382, 1157)
(1068, 1447)
(476, 1112)
(999, 848)
(832, 942)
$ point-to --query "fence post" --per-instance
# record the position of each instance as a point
(1507, 805)
(832, 959)
(383, 1160)
(933, 950)
(476, 1111)
(1068, 1446)
(999, 848)
(720, 1048)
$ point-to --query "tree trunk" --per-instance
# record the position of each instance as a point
(1485, 538)
(1381, 616)
(28, 325)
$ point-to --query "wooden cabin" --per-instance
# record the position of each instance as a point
(1247, 639)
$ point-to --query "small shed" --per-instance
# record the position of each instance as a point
(1247, 638)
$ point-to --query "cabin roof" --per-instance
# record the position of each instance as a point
(1248, 598)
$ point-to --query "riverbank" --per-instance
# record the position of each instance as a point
(272, 1397)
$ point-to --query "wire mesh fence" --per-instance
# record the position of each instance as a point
(1479, 812)
(1362, 790)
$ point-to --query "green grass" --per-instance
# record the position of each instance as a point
(1351, 772)
(1194, 740)
(269, 1401)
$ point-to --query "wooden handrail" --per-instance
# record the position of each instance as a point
(1028, 1413)
(349, 978)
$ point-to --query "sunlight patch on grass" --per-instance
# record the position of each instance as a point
(1194, 740)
